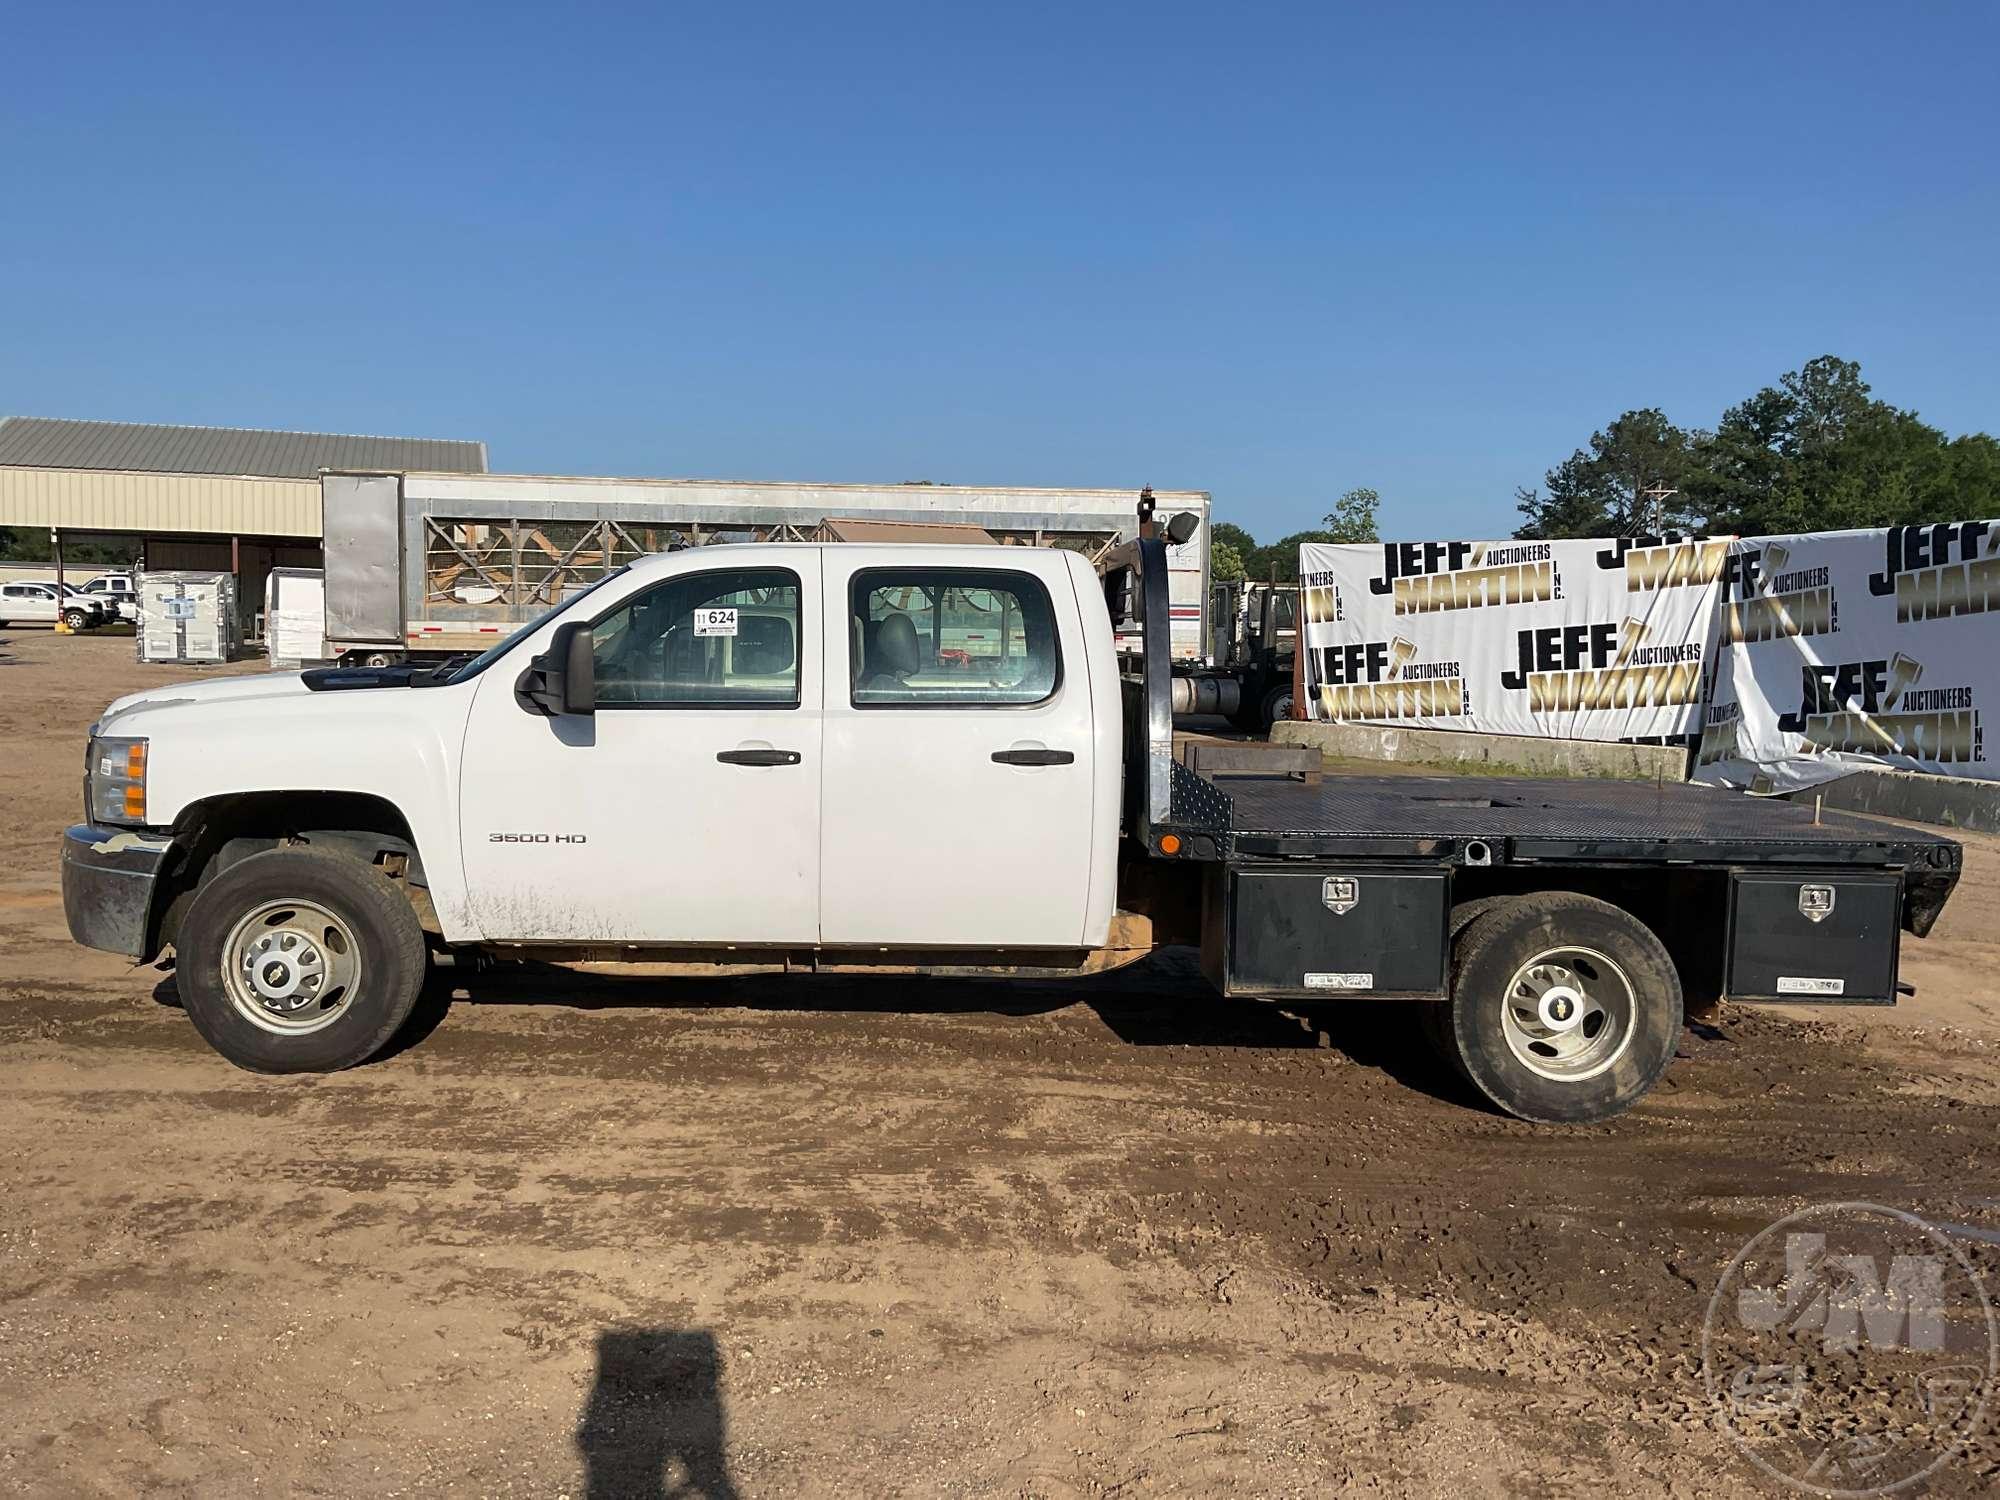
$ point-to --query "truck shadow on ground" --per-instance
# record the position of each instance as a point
(1160, 1002)
(652, 1426)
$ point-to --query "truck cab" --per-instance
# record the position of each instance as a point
(115, 592)
(1256, 626)
(762, 749)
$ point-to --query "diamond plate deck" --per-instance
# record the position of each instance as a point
(1561, 819)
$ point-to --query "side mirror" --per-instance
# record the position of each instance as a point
(563, 679)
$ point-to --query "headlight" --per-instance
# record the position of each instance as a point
(117, 779)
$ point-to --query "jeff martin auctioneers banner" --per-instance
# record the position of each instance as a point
(1589, 640)
(1795, 659)
(1844, 649)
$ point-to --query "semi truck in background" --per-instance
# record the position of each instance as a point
(1256, 642)
(421, 567)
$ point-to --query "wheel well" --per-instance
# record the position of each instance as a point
(216, 833)
(1687, 910)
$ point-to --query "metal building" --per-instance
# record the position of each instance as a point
(212, 498)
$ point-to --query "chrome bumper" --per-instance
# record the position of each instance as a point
(108, 875)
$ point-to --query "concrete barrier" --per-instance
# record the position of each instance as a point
(1949, 801)
(1489, 754)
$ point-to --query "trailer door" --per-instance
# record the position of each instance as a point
(957, 804)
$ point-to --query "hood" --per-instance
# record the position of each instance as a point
(215, 690)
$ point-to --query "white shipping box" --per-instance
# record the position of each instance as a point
(187, 617)
(295, 616)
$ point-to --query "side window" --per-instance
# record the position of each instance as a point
(939, 637)
(725, 639)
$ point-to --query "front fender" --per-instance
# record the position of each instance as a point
(398, 746)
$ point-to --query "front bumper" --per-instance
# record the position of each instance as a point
(108, 879)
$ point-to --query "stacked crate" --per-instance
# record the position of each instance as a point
(188, 617)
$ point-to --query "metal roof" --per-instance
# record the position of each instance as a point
(142, 447)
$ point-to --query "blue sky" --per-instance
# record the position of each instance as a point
(1270, 251)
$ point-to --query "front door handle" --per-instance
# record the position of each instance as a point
(1034, 757)
(758, 757)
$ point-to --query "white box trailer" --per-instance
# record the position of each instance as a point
(187, 616)
(424, 565)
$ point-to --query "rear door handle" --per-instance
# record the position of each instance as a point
(1034, 757)
(758, 757)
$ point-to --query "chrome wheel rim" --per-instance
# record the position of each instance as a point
(291, 967)
(1567, 1014)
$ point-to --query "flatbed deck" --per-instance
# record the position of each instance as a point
(1521, 821)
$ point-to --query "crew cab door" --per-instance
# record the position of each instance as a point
(685, 809)
(958, 790)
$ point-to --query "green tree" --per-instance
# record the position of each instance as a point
(1225, 563)
(1278, 562)
(1817, 451)
(1352, 518)
(31, 544)
(1630, 481)
(1220, 532)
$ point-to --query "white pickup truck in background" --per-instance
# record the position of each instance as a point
(43, 604)
(875, 757)
(118, 595)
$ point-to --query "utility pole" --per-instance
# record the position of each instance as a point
(1656, 497)
(62, 598)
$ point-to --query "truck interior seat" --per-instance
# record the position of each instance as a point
(894, 653)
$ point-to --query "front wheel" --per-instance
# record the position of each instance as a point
(1563, 1010)
(75, 619)
(1277, 706)
(292, 961)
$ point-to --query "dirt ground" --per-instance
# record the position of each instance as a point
(613, 1237)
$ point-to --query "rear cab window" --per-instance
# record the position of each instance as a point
(951, 638)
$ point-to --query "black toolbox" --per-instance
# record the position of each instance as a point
(1325, 931)
(1826, 938)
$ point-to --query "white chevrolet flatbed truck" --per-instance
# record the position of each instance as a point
(794, 757)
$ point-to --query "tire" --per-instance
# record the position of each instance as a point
(1435, 1015)
(1562, 958)
(76, 619)
(1277, 705)
(370, 949)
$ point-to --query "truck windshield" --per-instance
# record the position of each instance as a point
(492, 654)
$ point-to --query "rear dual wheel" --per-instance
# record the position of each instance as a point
(1563, 1010)
(293, 961)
